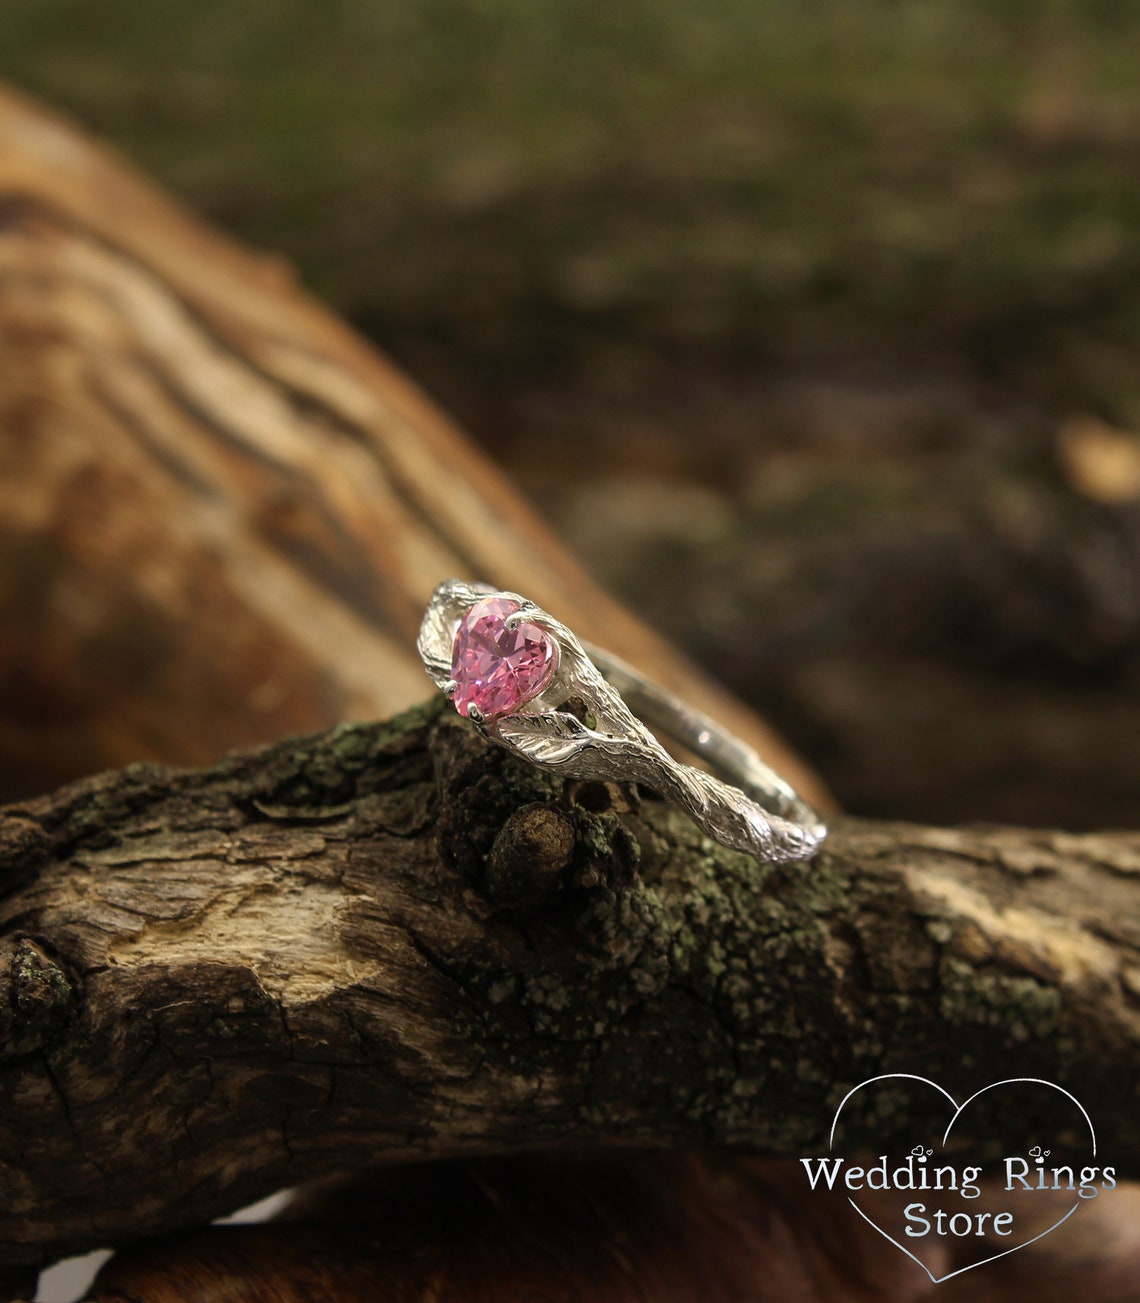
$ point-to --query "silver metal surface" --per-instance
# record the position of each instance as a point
(748, 807)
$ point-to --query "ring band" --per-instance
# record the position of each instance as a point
(530, 684)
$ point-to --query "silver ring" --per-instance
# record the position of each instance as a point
(528, 683)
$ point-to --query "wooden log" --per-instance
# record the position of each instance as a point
(585, 1229)
(219, 515)
(609, 1228)
(221, 512)
(318, 956)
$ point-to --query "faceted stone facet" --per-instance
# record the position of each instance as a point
(498, 669)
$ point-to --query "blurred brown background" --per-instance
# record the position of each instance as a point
(814, 329)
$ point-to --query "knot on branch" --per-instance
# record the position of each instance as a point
(40, 998)
(522, 837)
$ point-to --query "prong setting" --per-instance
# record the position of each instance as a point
(524, 615)
(493, 674)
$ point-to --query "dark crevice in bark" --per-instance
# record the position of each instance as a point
(324, 931)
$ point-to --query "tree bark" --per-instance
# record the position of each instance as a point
(221, 511)
(395, 941)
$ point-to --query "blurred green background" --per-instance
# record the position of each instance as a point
(517, 176)
(779, 309)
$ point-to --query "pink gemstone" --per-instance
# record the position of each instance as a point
(498, 669)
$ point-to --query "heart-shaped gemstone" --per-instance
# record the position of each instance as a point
(499, 669)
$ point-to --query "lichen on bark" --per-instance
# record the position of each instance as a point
(326, 953)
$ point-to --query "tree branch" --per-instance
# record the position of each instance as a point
(395, 941)
(222, 512)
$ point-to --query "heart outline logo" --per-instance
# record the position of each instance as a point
(958, 1110)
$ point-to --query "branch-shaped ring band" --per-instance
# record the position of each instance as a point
(527, 682)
